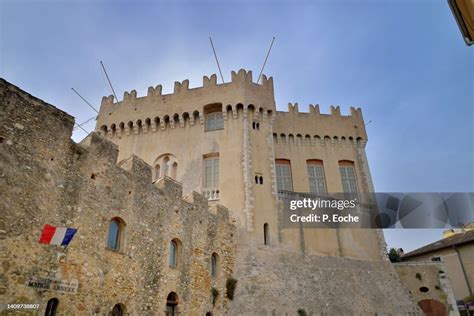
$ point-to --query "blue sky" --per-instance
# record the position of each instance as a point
(404, 62)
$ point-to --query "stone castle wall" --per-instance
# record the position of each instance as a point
(185, 106)
(254, 135)
(48, 179)
(272, 281)
(148, 128)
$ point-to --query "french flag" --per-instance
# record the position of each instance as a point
(60, 236)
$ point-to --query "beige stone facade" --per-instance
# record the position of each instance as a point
(253, 138)
(175, 124)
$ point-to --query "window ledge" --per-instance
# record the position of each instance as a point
(117, 251)
(213, 130)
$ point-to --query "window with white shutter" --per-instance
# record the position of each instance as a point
(211, 178)
(348, 177)
(316, 178)
(214, 121)
(283, 175)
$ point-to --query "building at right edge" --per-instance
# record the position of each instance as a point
(456, 252)
(228, 142)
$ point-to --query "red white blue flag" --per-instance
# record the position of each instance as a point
(60, 236)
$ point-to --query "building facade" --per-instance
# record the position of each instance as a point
(141, 248)
(429, 286)
(229, 142)
(457, 253)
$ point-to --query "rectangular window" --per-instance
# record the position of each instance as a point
(214, 121)
(211, 173)
(317, 180)
(211, 178)
(348, 177)
(283, 175)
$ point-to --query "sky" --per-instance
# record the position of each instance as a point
(403, 62)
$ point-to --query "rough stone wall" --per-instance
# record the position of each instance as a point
(87, 189)
(452, 258)
(45, 178)
(272, 281)
(431, 277)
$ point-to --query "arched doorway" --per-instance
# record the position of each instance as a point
(172, 304)
(52, 307)
(432, 307)
(118, 310)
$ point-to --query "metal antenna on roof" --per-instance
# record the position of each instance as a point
(217, 61)
(83, 123)
(80, 96)
(80, 126)
(110, 84)
(265, 62)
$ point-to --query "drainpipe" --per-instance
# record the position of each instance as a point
(463, 270)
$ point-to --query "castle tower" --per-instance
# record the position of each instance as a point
(228, 142)
(201, 137)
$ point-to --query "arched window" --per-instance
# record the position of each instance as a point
(166, 166)
(157, 171)
(172, 304)
(266, 234)
(118, 310)
(175, 253)
(214, 262)
(52, 307)
(116, 234)
(258, 179)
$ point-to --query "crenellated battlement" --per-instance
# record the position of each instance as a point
(185, 103)
(314, 127)
(315, 111)
(139, 173)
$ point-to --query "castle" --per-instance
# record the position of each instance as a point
(228, 142)
(188, 183)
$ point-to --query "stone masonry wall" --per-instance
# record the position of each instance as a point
(45, 178)
(427, 282)
(274, 282)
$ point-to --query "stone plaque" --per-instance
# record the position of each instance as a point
(51, 284)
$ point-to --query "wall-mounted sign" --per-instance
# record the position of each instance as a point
(51, 284)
